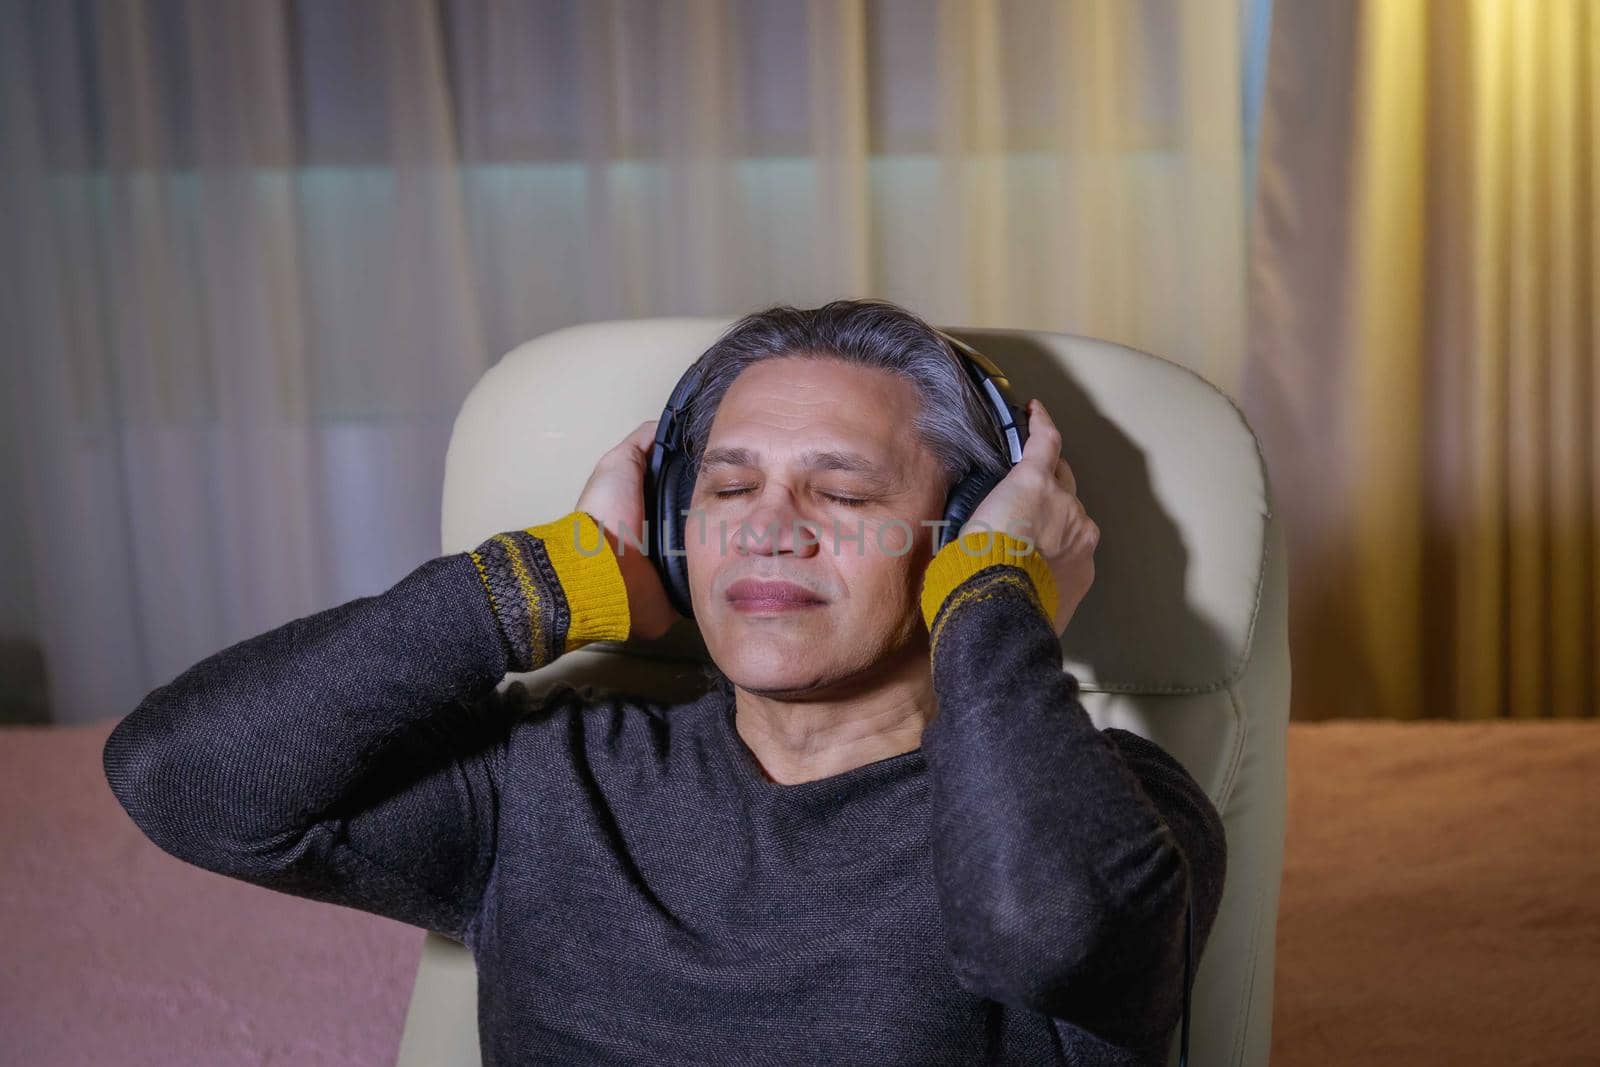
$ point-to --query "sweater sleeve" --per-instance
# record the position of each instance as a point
(1063, 854)
(355, 756)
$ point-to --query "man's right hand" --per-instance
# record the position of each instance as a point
(614, 496)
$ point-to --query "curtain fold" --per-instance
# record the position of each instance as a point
(1423, 289)
(260, 249)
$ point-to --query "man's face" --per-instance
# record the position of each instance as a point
(793, 440)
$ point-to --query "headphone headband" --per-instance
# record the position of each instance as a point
(987, 365)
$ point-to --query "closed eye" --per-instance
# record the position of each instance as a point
(847, 501)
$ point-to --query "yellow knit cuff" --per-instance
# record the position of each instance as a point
(590, 576)
(966, 556)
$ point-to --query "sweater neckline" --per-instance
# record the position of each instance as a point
(820, 794)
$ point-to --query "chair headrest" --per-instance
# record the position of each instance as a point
(1165, 462)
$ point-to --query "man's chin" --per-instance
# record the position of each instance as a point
(777, 656)
(776, 669)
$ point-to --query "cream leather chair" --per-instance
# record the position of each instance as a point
(1182, 639)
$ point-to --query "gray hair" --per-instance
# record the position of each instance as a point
(952, 419)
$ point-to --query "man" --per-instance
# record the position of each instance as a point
(888, 834)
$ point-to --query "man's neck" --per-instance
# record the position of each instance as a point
(805, 739)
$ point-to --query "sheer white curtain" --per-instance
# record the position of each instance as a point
(257, 252)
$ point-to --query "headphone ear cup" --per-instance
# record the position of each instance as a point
(963, 500)
(676, 491)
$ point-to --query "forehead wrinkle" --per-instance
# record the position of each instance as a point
(814, 459)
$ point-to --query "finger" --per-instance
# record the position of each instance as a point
(636, 443)
(632, 451)
(1044, 440)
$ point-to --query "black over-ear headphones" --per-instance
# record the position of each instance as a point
(669, 479)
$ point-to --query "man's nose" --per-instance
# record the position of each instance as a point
(777, 528)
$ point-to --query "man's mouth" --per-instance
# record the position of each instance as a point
(752, 595)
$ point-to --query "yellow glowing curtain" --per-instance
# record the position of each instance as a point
(1425, 268)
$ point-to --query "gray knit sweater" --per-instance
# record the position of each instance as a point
(632, 886)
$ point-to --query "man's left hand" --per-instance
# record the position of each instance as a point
(1038, 499)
